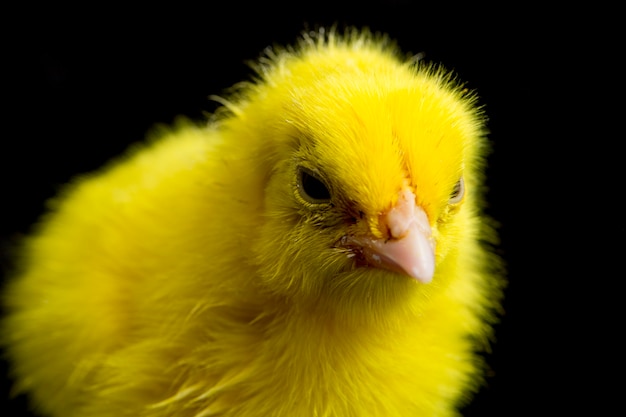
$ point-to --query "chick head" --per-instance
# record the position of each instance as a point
(369, 166)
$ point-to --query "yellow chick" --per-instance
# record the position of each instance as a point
(317, 249)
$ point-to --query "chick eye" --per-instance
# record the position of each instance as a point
(456, 196)
(311, 188)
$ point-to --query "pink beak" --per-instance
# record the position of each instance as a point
(410, 248)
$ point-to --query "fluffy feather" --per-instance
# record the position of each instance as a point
(277, 261)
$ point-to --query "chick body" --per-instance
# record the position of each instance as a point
(200, 275)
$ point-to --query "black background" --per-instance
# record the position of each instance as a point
(83, 84)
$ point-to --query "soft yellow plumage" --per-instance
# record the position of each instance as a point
(275, 262)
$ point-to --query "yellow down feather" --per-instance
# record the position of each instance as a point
(196, 276)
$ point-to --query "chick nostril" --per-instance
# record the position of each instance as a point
(398, 227)
(399, 218)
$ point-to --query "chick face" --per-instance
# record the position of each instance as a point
(366, 160)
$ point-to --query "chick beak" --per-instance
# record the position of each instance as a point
(409, 249)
